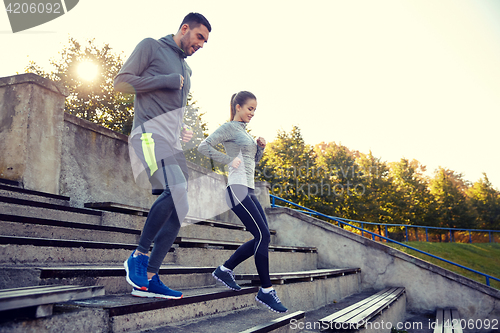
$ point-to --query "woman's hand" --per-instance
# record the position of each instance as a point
(187, 133)
(236, 163)
(261, 142)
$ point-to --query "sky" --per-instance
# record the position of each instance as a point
(414, 79)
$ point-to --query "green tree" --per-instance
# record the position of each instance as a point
(453, 209)
(94, 99)
(486, 202)
(288, 164)
(413, 201)
(338, 164)
(376, 202)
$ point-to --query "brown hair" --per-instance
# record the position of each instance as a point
(240, 98)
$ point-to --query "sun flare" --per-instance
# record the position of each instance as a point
(87, 70)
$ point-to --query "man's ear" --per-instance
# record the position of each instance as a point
(184, 28)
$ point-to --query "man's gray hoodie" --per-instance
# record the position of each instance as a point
(153, 73)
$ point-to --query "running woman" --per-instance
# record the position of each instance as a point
(242, 153)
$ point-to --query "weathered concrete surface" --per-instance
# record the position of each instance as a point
(118, 284)
(69, 321)
(33, 197)
(326, 291)
(30, 255)
(154, 318)
(236, 321)
(278, 261)
(95, 167)
(64, 233)
(31, 120)
(427, 286)
(48, 213)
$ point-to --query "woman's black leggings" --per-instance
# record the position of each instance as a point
(246, 206)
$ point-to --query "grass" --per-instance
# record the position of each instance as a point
(482, 257)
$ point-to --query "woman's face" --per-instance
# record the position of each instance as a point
(246, 112)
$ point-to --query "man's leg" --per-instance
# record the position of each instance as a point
(171, 213)
(162, 226)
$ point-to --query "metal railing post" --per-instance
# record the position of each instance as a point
(386, 233)
(426, 235)
(470, 237)
(406, 232)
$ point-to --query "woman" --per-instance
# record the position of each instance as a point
(242, 153)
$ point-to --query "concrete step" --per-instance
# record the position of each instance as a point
(224, 231)
(251, 320)
(174, 276)
(221, 231)
(17, 192)
(298, 276)
(125, 313)
(112, 278)
(50, 211)
(11, 183)
(38, 301)
(12, 225)
(21, 226)
(29, 211)
(32, 252)
(215, 256)
(36, 251)
(128, 313)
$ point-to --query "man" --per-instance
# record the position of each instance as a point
(158, 75)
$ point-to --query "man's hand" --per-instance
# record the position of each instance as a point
(182, 83)
(187, 133)
(261, 142)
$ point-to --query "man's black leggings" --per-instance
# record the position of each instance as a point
(246, 206)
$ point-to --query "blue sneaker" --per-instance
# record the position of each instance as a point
(227, 278)
(271, 300)
(136, 268)
(157, 289)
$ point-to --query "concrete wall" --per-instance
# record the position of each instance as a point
(31, 122)
(427, 286)
(95, 167)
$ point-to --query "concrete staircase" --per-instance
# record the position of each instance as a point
(44, 241)
(318, 268)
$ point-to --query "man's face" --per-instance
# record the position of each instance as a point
(194, 39)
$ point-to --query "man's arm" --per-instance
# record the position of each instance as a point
(129, 79)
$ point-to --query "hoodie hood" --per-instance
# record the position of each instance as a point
(169, 40)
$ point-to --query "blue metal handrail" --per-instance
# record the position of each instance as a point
(406, 226)
(339, 221)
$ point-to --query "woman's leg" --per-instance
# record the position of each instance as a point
(251, 214)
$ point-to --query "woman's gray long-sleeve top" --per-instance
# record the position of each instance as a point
(237, 143)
